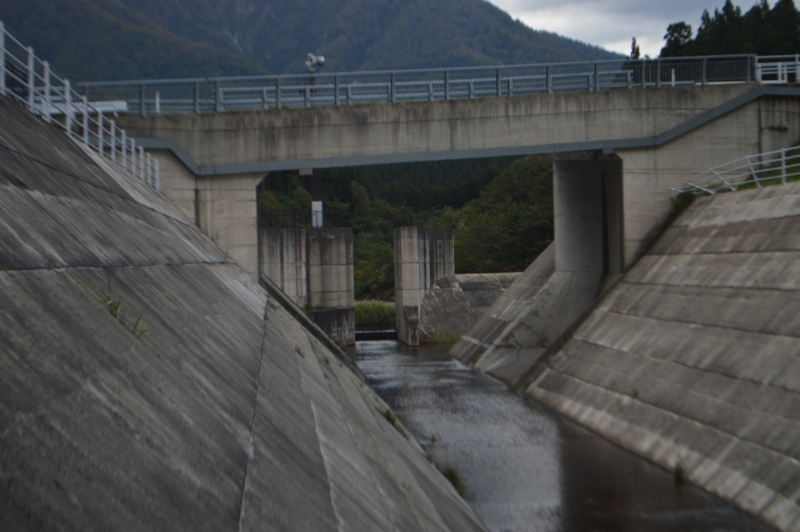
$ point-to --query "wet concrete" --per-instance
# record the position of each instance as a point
(524, 467)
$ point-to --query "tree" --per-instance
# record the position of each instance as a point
(678, 35)
(634, 49)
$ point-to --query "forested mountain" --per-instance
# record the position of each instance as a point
(91, 40)
(761, 30)
(364, 34)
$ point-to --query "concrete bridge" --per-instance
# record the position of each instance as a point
(616, 153)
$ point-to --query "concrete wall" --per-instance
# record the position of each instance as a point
(453, 304)
(691, 360)
(421, 255)
(226, 415)
(314, 268)
(330, 267)
(284, 261)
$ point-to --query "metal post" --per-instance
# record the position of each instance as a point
(85, 120)
(2, 59)
(218, 100)
(158, 175)
(158, 102)
(747, 74)
(446, 84)
(336, 90)
(307, 96)
(31, 78)
(783, 165)
(124, 150)
(430, 91)
(278, 93)
(100, 133)
(349, 94)
(705, 63)
(142, 110)
(47, 105)
(197, 97)
(658, 73)
(68, 104)
(498, 83)
(549, 79)
(510, 87)
(141, 161)
(471, 89)
(392, 89)
(113, 128)
(149, 167)
(596, 77)
(264, 101)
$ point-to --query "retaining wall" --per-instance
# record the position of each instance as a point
(215, 412)
(693, 359)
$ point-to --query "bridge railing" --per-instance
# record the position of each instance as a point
(28, 80)
(202, 95)
(753, 171)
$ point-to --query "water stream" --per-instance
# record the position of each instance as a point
(524, 467)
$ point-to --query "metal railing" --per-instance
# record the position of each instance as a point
(203, 95)
(764, 169)
(30, 81)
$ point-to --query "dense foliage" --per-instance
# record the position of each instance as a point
(91, 40)
(761, 30)
(501, 209)
(363, 34)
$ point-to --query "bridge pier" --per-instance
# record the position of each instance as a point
(224, 207)
(421, 255)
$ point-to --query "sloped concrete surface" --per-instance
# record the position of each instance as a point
(693, 358)
(214, 411)
(453, 304)
(527, 319)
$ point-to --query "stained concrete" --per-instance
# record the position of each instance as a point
(314, 268)
(216, 411)
(421, 256)
(691, 360)
(453, 304)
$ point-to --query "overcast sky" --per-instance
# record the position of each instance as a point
(612, 23)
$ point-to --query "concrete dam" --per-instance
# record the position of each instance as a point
(147, 383)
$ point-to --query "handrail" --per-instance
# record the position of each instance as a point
(202, 95)
(763, 169)
(30, 81)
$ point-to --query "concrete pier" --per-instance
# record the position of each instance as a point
(314, 268)
(421, 255)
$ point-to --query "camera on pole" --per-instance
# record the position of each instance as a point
(313, 62)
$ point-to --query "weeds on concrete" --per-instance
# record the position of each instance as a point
(455, 479)
(299, 351)
(113, 304)
(439, 339)
(391, 417)
(634, 394)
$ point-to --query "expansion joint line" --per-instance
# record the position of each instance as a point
(251, 449)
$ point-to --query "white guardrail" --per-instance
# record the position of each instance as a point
(29, 80)
(763, 169)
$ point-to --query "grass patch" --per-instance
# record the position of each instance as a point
(452, 475)
(391, 417)
(374, 315)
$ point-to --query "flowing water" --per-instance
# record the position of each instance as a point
(524, 467)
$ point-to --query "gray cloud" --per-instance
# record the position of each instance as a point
(611, 23)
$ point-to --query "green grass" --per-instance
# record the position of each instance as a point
(374, 315)
(452, 475)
